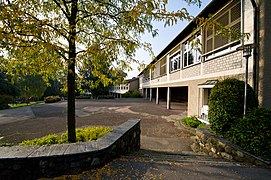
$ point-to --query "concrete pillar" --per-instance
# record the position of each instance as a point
(168, 98)
(157, 96)
(120, 95)
(146, 93)
(150, 94)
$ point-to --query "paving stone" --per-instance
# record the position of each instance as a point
(59, 149)
(75, 148)
(17, 151)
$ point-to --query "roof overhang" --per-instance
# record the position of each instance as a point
(208, 84)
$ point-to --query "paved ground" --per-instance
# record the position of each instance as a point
(165, 153)
(40, 120)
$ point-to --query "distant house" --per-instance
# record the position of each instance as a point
(187, 71)
(120, 89)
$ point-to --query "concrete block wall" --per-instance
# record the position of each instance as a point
(32, 162)
(191, 71)
(223, 63)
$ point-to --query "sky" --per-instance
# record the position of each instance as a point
(166, 34)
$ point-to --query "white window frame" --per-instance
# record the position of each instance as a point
(175, 61)
(192, 47)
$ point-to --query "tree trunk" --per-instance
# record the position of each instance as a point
(71, 74)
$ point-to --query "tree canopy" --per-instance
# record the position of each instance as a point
(46, 36)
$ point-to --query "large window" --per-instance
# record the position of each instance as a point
(192, 51)
(229, 19)
(175, 62)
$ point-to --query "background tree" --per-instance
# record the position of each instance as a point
(8, 90)
(31, 86)
(91, 79)
(7, 87)
(99, 29)
(53, 89)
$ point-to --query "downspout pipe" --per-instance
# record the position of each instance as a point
(256, 43)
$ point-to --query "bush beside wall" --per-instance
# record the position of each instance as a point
(226, 104)
(132, 94)
(253, 133)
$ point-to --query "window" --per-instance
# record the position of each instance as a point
(146, 75)
(192, 51)
(229, 19)
(163, 66)
(175, 62)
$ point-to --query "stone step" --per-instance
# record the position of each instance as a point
(186, 157)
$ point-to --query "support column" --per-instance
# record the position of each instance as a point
(168, 98)
(157, 96)
(146, 93)
(150, 94)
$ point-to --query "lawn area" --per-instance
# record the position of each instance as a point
(25, 104)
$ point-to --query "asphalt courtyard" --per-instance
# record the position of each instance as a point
(165, 146)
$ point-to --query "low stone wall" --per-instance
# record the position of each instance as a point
(206, 142)
(32, 162)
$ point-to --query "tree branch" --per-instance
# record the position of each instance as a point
(82, 51)
(66, 13)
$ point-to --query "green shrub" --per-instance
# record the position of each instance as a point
(5, 100)
(192, 122)
(86, 134)
(82, 135)
(226, 104)
(132, 94)
(253, 132)
(50, 139)
(52, 99)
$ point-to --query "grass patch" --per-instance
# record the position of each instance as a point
(192, 122)
(82, 135)
(25, 104)
(4, 144)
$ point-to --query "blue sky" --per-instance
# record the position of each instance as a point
(166, 34)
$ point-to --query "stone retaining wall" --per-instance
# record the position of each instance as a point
(210, 144)
(32, 162)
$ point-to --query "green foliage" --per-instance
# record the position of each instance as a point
(4, 144)
(192, 122)
(31, 86)
(132, 94)
(226, 104)
(6, 85)
(5, 100)
(25, 104)
(86, 134)
(52, 99)
(253, 132)
(50, 139)
(90, 80)
(82, 135)
(53, 89)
